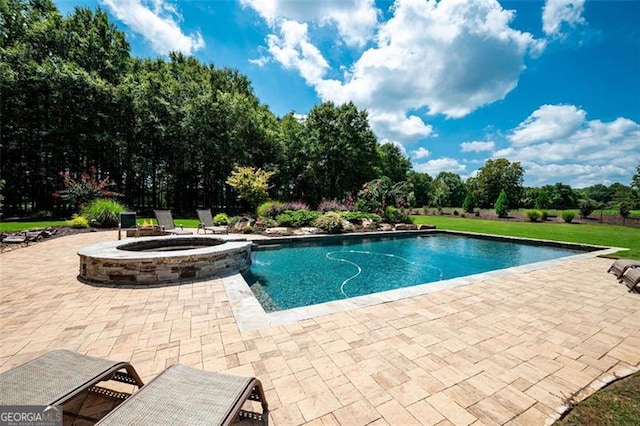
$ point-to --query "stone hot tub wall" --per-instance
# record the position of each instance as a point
(105, 263)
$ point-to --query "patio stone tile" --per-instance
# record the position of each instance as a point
(395, 414)
(508, 348)
(451, 410)
(318, 405)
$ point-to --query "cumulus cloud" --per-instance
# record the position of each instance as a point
(548, 122)
(292, 49)
(477, 146)
(157, 22)
(558, 12)
(448, 57)
(558, 143)
(355, 20)
(433, 167)
(420, 153)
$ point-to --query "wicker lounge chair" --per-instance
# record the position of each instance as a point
(60, 375)
(631, 279)
(206, 223)
(184, 395)
(620, 266)
(165, 222)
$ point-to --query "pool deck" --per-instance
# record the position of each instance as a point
(504, 349)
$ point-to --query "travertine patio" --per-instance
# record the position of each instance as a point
(501, 351)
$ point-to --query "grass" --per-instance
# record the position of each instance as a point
(22, 226)
(616, 404)
(604, 235)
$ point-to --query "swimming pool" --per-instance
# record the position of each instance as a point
(295, 274)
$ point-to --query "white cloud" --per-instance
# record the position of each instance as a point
(557, 12)
(293, 50)
(477, 146)
(157, 22)
(420, 153)
(396, 143)
(547, 123)
(448, 57)
(557, 143)
(433, 167)
(354, 19)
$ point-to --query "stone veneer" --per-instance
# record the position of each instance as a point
(108, 264)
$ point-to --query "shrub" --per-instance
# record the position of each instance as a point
(296, 205)
(502, 205)
(568, 216)
(103, 212)
(455, 213)
(476, 211)
(78, 222)
(331, 206)
(251, 184)
(42, 215)
(533, 215)
(330, 222)
(469, 203)
(544, 215)
(247, 229)
(221, 219)
(586, 208)
(297, 218)
(357, 217)
(270, 209)
(393, 215)
(624, 210)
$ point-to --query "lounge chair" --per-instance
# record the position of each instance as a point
(185, 395)
(631, 279)
(206, 223)
(128, 221)
(620, 266)
(165, 222)
(60, 375)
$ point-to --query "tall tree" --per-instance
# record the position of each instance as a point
(494, 176)
(343, 151)
(453, 188)
(422, 187)
(393, 164)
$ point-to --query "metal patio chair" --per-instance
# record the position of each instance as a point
(206, 223)
(165, 222)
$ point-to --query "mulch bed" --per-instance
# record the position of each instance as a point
(35, 236)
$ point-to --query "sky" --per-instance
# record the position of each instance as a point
(553, 84)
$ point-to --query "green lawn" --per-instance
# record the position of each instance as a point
(604, 235)
(617, 404)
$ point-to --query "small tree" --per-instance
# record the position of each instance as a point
(624, 212)
(586, 208)
(469, 203)
(251, 184)
(502, 205)
(85, 189)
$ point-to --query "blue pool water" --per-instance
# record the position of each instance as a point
(301, 274)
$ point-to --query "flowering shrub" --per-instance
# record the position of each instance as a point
(296, 205)
(349, 202)
(87, 188)
(270, 209)
(331, 206)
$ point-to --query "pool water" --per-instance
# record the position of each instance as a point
(296, 274)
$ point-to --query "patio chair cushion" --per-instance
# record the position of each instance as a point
(184, 395)
(58, 376)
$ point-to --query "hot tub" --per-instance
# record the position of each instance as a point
(156, 260)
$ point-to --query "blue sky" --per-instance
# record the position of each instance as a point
(552, 84)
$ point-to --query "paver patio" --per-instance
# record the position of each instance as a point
(500, 351)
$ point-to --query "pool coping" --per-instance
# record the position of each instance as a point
(250, 315)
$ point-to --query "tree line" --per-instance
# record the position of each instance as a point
(168, 132)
